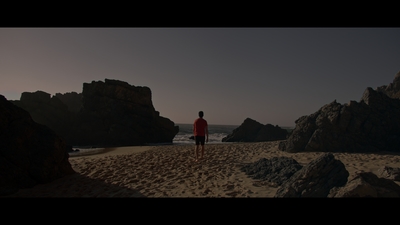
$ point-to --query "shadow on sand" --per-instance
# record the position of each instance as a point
(76, 186)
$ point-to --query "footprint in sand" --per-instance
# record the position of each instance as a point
(232, 194)
(181, 181)
(229, 187)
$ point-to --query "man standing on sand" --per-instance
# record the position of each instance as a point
(200, 132)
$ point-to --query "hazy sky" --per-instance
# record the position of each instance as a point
(272, 75)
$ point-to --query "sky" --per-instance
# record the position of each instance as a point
(273, 75)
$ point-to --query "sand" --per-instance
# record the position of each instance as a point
(169, 171)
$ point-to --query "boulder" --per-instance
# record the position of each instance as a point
(275, 170)
(370, 125)
(253, 131)
(110, 113)
(389, 173)
(316, 179)
(30, 153)
(367, 184)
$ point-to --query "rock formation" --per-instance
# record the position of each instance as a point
(110, 113)
(48, 111)
(72, 100)
(30, 153)
(370, 125)
(316, 179)
(275, 170)
(389, 173)
(253, 131)
(393, 89)
(367, 185)
(323, 177)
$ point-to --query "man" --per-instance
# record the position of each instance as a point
(200, 132)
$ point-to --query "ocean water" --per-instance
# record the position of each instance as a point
(215, 133)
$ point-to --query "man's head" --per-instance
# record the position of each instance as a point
(201, 114)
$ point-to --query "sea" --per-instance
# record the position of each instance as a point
(215, 133)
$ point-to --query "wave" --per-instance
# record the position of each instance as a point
(215, 133)
(185, 138)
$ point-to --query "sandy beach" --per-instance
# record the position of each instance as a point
(169, 171)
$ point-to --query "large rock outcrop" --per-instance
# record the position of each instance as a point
(315, 180)
(72, 100)
(30, 153)
(48, 111)
(110, 113)
(370, 125)
(323, 177)
(393, 89)
(367, 185)
(253, 131)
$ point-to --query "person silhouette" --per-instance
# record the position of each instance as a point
(200, 132)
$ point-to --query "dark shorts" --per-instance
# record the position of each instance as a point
(200, 139)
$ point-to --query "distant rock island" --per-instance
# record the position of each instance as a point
(370, 125)
(253, 131)
(110, 113)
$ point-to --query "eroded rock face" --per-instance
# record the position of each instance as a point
(110, 113)
(370, 125)
(30, 153)
(116, 113)
(367, 184)
(48, 111)
(253, 131)
(275, 170)
(393, 89)
(72, 100)
(316, 179)
(391, 173)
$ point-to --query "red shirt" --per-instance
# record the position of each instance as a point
(199, 127)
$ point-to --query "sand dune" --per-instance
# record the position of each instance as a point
(170, 171)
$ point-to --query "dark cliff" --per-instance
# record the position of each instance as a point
(370, 125)
(110, 113)
(30, 153)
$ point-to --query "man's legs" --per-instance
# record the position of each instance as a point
(199, 141)
(202, 151)
(196, 150)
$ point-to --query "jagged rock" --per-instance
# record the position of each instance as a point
(48, 111)
(110, 113)
(253, 131)
(393, 89)
(316, 179)
(30, 153)
(367, 184)
(370, 125)
(275, 170)
(72, 100)
(389, 173)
